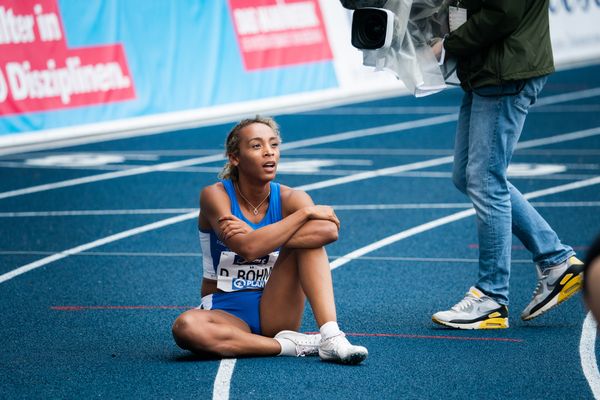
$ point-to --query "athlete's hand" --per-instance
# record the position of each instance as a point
(323, 212)
(231, 225)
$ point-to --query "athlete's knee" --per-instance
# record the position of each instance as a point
(191, 330)
(331, 233)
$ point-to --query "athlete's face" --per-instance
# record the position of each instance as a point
(258, 152)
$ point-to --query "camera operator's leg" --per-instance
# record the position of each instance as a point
(461, 144)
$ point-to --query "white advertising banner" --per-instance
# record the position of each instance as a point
(575, 30)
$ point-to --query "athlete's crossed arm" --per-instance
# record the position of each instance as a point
(314, 233)
(304, 225)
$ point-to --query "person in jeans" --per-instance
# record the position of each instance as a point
(504, 56)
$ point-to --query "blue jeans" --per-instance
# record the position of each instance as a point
(489, 125)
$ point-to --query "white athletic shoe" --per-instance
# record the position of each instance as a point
(474, 311)
(555, 285)
(338, 349)
(306, 345)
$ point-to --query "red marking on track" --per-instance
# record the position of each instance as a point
(82, 308)
(400, 335)
(436, 337)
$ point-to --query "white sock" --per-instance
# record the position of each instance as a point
(329, 329)
(288, 348)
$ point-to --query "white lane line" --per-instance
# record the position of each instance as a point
(314, 186)
(559, 138)
(199, 255)
(393, 110)
(451, 218)
(399, 236)
(96, 243)
(380, 172)
(159, 224)
(575, 108)
(444, 160)
(111, 175)
(360, 133)
(587, 353)
(77, 213)
(403, 126)
(223, 379)
(417, 206)
(561, 98)
(341, 207)
(300, 143)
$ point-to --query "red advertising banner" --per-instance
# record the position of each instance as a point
(273, 33)
(37, 70)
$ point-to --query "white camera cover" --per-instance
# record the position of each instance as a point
(410, 56)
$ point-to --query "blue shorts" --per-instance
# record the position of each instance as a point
(244, 305)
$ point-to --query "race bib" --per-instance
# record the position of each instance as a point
(234, 273)
(456, 17)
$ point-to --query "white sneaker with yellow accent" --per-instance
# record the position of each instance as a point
(475, 311)
(555, 285)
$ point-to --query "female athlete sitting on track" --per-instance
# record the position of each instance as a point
(262, 246)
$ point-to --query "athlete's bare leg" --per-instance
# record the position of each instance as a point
(298, 274)
(217, 333)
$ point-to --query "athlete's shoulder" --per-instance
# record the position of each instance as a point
(294, 199)
(214, 193)
(215, 188)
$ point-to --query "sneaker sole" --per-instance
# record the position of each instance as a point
(492, 323)
(572, 286)
(352, 359)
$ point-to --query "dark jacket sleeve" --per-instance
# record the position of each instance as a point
(494, 20)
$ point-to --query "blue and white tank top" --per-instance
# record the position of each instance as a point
(231, 271)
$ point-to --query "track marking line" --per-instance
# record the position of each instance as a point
(452, 218)
(341, 207)
(443, 337)
(587, 352)
(100, 242)
(77, 213)
(394, 128)
(223, 378)
(82, 308)
(302, 143)
(199, 255)
(319, 185)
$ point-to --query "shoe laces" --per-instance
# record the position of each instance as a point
(467, 302)
(305, 346)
